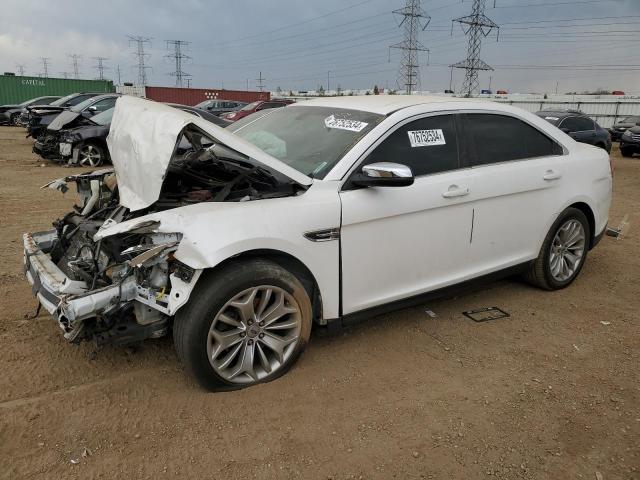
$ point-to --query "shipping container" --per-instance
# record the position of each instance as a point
(17, 89)
(193, 96)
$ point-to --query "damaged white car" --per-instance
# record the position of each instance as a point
(324, 212)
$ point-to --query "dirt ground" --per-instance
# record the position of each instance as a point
(552, 392)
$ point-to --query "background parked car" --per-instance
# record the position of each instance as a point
(218, 107)
(211, 117)
(86, 145)
(618, 129)
(630, 142)
(255, 107)
(578, 126)
(9, 113)
(38, 110)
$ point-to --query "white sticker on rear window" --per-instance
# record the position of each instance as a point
(553, 119)
(426, 138)
(344, 124)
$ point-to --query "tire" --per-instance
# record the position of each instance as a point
(200, 335)
(628, 153)
(13, 120)
(91, 155)
(541, 273)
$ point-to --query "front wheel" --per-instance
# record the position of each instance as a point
(91, 155)
(563, 252)
(626, 152)
(244, 324)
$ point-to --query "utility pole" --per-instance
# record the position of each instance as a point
(557, 82)
(139, 42)
(45, 66)
(476, 26)
(74, 61)
(414, 20)
(188, 82)
(247, 84)
(118, 73)
(328, 72)
(490, 78)
(65, 75)
(100, 67)
(451, 78)
(260, 81)
(20, 67)
(178, 56)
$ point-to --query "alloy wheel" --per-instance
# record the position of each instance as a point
(567, 250)
(90, 156)
(254, 334)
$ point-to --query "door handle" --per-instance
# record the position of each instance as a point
(455, 191)
(551, 175)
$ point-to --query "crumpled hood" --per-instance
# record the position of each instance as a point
(63, 119)
(142, 140)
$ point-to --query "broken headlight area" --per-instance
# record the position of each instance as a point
(46, 145)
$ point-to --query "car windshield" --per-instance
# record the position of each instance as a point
(82, 105)
(103, 118)
(250, 106)
(62, 101)
(203, 104)
(631, 120)
(30, 101)
(552, 117)
(310, 139)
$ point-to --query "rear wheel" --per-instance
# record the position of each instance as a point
(563, 252)
(626, 152)
(244, 324)
(14, 119)
(91, 155)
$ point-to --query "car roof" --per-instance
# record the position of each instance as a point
(562, 113)
(383, 104)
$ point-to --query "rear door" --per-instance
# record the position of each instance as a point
(519, 172)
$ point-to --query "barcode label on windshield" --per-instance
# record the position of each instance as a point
(344, 124)
(426, 138)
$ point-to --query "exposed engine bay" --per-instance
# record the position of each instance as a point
(116, 289)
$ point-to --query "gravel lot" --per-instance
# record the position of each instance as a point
(553, 392)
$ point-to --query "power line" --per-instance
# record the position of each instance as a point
(20, 67)
(476, 26)
(554, 4)
(75, 58)
(100, 66)
(178, 56)
(414, 20)
(45, 67)
(260, 81)
(139, 53)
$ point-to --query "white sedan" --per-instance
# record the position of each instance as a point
(328, 212)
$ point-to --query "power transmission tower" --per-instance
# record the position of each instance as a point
(20, 67)
(260, 81)
(118, 73)
(178, 56)
(74, 61)
(65, 75)
(414, 20)
(476, 26)
(100, 67)
(45, 67)
(139, 53)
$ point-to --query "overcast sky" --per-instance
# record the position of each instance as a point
(295, 43)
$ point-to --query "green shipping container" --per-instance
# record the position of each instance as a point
(15, 89)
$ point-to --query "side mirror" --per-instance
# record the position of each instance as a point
(384, 174)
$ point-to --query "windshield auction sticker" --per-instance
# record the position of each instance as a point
(344, 124)
(426, 138)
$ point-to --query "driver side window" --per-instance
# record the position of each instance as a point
(428, 145)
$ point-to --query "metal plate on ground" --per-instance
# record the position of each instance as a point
(485, 314)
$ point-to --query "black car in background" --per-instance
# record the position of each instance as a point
(56, 121)
(210, 117)
(9, 113)
(53, 108)
(218, 107)
(630, 142)
(618, 129)
(578, 126)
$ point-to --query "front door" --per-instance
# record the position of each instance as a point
(397, 242)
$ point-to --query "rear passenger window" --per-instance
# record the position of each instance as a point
(428, 145)
(577, 124)
(500, 138)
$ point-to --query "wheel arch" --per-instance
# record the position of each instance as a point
(290, 263)
(588, 212)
